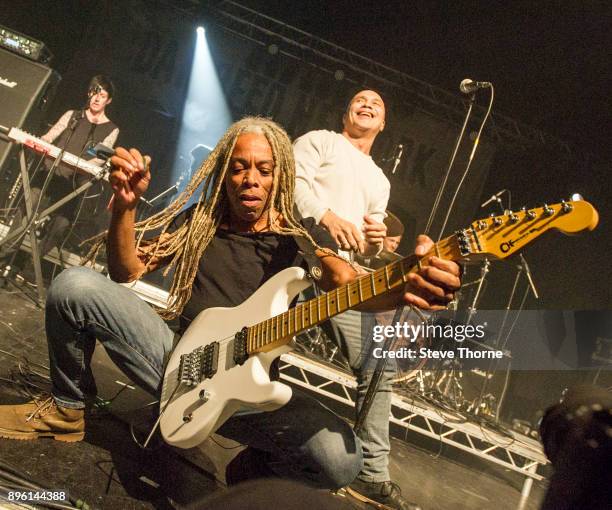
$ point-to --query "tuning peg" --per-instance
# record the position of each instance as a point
(531, 215)
(548, 211)
(513, 218)
(566, 206)
(497, 221)
(482, 224)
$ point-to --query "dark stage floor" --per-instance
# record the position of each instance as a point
(108, 470)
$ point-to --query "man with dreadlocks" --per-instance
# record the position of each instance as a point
(239, 234)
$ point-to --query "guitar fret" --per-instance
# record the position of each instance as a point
(359, 289)
(387, 277)
(283, 321)
(327, 304)
(337, 299)
(302, 322)
(348, 294)
(401, 266)
(286, 324)
(373, 282)
(277, 326)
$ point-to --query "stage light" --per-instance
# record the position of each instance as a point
(206, 115)
(273, 49)
(339, 75)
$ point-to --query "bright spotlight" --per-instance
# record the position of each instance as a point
(205, 116)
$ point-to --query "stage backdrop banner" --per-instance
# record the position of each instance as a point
(427, 147)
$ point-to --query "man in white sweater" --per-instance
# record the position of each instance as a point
(339, 185)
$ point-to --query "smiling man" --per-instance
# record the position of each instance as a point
(338, 183)
(343, 189)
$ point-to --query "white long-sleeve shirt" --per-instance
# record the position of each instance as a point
(333, 174)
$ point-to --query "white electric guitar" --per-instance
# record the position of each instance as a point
(222, 363)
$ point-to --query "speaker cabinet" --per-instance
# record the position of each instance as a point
(26, 88)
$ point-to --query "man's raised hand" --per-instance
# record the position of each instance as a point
(130, 176)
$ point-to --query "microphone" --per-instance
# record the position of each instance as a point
(398, 158)
(94, 90)
(494, 198)
(469, 86)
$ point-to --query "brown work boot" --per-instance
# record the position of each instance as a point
(42, 418)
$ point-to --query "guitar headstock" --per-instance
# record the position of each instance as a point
(498, 237)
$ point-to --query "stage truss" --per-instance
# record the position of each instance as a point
(247, 23)
(518, 453)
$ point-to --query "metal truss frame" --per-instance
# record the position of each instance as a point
(290, 41)
(518, 453)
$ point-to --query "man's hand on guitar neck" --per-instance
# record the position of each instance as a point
(433, 286)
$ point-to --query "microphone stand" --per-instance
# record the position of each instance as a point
(398, 158)
(376, 376)
(468, 114)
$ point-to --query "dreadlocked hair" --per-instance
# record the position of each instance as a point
(183, 247)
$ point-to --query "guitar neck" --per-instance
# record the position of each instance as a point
(496, 237)
(279, 330)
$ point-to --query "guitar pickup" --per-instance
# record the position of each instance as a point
(209, 360)
(240, 347)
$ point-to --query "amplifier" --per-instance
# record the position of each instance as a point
(26, 88)
(24, 45)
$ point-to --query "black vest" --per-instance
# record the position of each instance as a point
(85, 135)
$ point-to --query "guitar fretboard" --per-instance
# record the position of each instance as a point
(281, 328)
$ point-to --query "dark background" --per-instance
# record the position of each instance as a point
(549, 63)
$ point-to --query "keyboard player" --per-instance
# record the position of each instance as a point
(76, 131)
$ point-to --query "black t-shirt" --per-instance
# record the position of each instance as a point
(236, 264)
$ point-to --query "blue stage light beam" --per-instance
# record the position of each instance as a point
(206, 115)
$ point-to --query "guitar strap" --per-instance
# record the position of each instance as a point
(307, 251)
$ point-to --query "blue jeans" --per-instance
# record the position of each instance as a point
(305, 440)
(354, 331)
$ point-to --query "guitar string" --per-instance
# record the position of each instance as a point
(379, 275)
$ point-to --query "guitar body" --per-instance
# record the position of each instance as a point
(189, 414)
